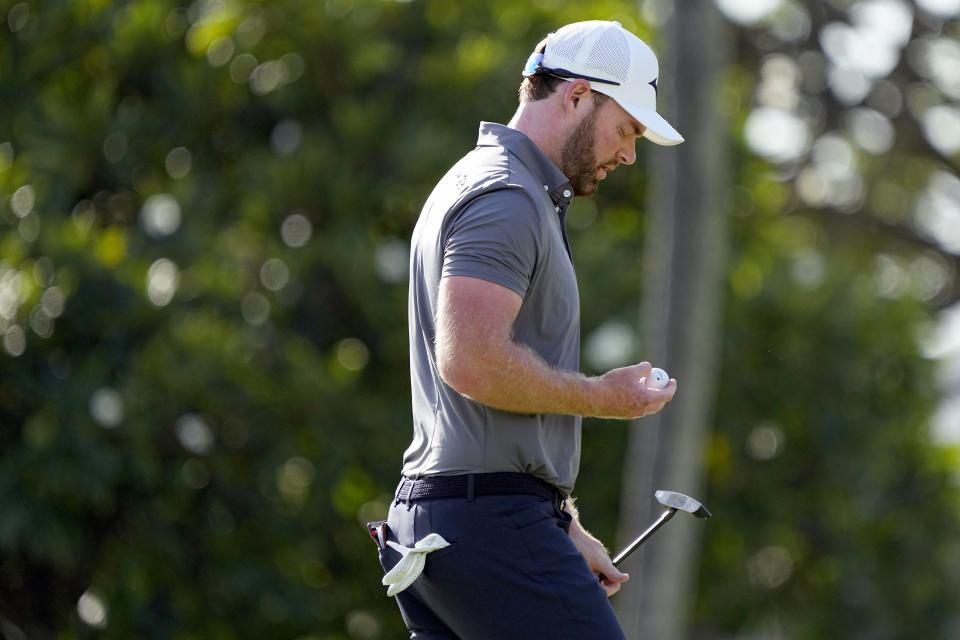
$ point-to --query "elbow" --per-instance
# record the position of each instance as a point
(463, 369)
(456, 373)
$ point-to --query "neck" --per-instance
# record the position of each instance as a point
(538, 122)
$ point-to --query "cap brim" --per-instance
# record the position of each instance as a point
(658, 130)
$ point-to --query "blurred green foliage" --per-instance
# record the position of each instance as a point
(204, 211)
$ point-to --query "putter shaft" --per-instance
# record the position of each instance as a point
(630, 548)
(674, 502)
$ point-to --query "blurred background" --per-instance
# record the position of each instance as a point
(204, 218)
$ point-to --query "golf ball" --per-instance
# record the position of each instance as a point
(657, 379)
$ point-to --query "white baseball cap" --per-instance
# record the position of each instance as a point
(615, 62)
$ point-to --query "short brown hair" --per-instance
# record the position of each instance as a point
(539, 86)
(542, 85)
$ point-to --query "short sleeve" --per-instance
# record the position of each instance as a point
(495, 237)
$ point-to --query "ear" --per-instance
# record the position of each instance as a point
(576, 94)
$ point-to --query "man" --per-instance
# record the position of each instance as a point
(494, 349)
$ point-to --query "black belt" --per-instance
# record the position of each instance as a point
(477, 484)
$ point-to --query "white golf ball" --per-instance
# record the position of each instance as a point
(657, 379)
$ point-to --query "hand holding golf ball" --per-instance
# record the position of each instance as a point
(657, 379)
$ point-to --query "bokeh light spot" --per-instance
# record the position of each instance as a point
(53, 302)
(765, 442)
(22, 201)
(251, 30)
(770, 567)
(266, 77)
(178, 162)
(937, 210)
(296, 230)
(362, 625)
(776, 134)
(176, 23)
(928, 277)
(286, 137)
(15, 341)
(11, 289)
(92, 609)
(274, 274)
(194, 434)
(293, 66)
(938, 59)
(106, 407)
(612, 344)
(871, 130)
(890, 278)
(84, 214)
(115, 146)
(41, 323)
(747, 12)
(941, 128)
(294, 478)
(163, 279)
(352, 354)
(220, 51)
(255, 308)
(942, 8)
(18, 16)
(160, 215)
(391, 260)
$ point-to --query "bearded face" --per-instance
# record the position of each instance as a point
(578, 159)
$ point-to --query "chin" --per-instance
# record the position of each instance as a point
(587, 189)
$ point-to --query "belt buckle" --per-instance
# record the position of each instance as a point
(406, 489)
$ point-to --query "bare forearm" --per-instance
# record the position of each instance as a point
(508, 376)
(512, 377)
(477, 356)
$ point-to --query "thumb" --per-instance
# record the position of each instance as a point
(612, 574)
(609, 574)
(611, 578)
(644, 368)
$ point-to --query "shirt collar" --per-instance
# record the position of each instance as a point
(556, 185)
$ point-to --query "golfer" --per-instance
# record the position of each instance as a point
(494, 326)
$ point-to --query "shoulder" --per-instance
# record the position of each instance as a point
(492, 168)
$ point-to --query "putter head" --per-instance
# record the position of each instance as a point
(681, 502)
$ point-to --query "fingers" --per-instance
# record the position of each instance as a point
(627, 397)
(610, 587)
(654, 400)
(612, 578)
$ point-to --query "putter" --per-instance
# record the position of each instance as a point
(673, 502)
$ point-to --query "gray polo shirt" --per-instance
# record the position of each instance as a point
(496, 215)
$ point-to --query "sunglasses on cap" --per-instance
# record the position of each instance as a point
(535, 65)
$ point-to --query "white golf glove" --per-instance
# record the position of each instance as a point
(411, 564)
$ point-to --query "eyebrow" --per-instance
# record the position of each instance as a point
(637, 128)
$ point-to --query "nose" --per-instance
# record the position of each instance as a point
(627, 154)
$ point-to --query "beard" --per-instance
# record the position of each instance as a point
(577, 159)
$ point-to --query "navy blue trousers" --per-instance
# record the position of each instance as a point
(510, 572)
